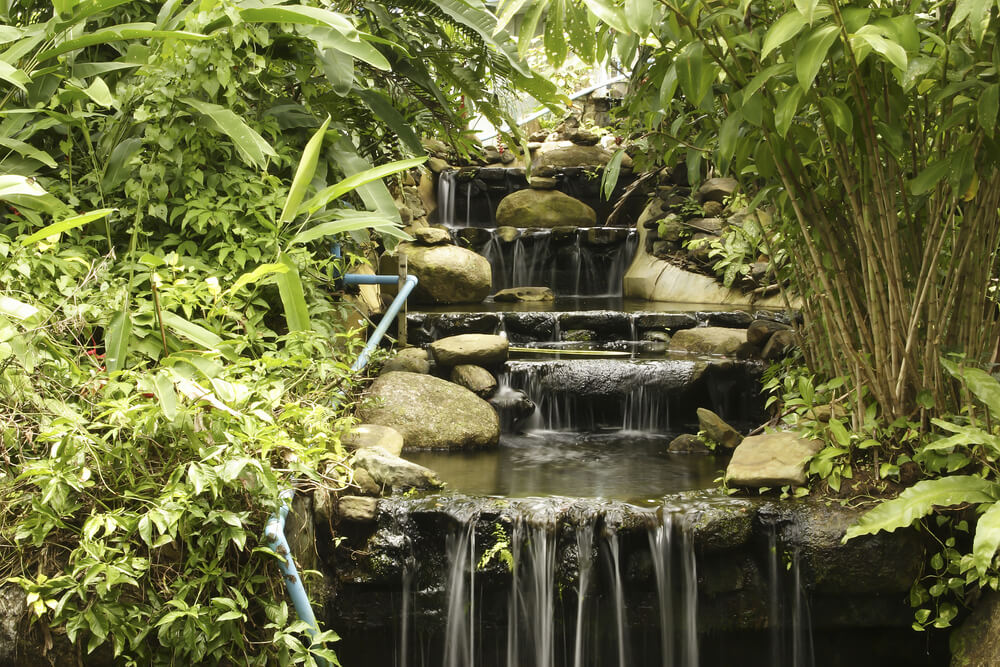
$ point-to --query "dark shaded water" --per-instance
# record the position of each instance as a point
(633, 467)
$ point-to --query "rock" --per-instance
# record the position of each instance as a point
(447, 273)
(716, 189)
(414, 201)
(524, 295)
(367, 436)
(565, 154)
(711, 226)
(584, 138)
(436, 147)
(688, 443)
(437, 165)
(733, 319)
(543, 208)
(543, 183)
(507, 234)
(405, 214)
(760, 331)
(656, 336)
(665, 321)
(391, 473)
(474, 236)
(671, 228)
(779, 345)
(712, 209)
(717, 430)
(491, 154)
(359, 509)
(708, 340)
(701, 247)
(432, 236)
(578, 335)
(410, 360)
(507, 157)
(824, 413)
(479, 349)
(365, 483)
(976, 642)
(476, 379)
(605, 236)
(430, 413)
(773, 459)
(512, 404)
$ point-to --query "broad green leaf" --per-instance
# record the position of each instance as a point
(609, 13)
(987, 539)
(807, 8)
(374, 194)
(983, 385)
(57, 228)
(639, 15)
(842, 116)
(479, 19)
(329, 193)
(16, 310)
(388, 114)
(610, 177)
(974, 12)
(28, 151)
(326, 38)
(262, 271)
(253, 147)
(668, 87)
(927, 179)
(293, 298)
(163, 387)
(343, 226)
(784, 29)
(554, 38)
(338, 68)
(920, 499)
(116, 340)
(118, 34)
(507, 10)
(13, 76)
(100, 93)
(303, 174)
(729, 135)
(839, 433)
(763, 76)
(301, 15)
(695, 73)
(118, 169)
(812, 52)
(196, 334)
(989, 102)
(529, 24)
(965, 436)
(785, 113)
(889, 50)
(9, 33)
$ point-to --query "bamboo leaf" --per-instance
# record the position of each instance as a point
(508, 9)
(927, 179)
(253, 147)
(785, 113)
(386, 112)
(610, 177)
(118, 170)
(372, 220)
(842, 116)
(812, 52)
(57, 228)
(608, 13)
(329, 193)
(28, 151)
(695, 73)
(303, 174)
(807, 8)
(729, 135)
(118, 33)
(166, 395)
(889, 50)
(988, 105)
(14, 76)
(987, 539)
(920, 499)
(293, 298)
(639, 15)
(784, 29)
(763, 76)
(116, 340)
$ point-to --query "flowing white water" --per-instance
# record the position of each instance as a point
(585, 565)
(621, 614)
(460, 628)
(446, 197)
(660, 548)
(689, 620)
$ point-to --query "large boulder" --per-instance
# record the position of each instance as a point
(772, 459)
(717, 189)
(431, 413)
(716, 430)
(478, 349)
(709, 340)
(476, 379)
(447, 273)
(391, 473)
(411, 360)
(543, 208)
(367, 436)
(568, 154)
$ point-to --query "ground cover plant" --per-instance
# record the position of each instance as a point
(174, 343)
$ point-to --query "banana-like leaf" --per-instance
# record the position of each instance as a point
(253, 147)
(262, 271)
(388, 114)
(328, 194)
(14, 76)
(292, 296)
(116, 340)
(371, 221)
(480, 20)
(196, 334)
(303, 174)
(982, 384)
(16, 310)
(28, 151)
(66, 225)
(118, 33)
(920, 499)
(12, 185)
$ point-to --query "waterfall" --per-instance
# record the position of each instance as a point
(531, 607)
(585, 564)
(689, 620)
(618, 596)
(446, 197)
(789, 622)
(659, 547)
(460, 628)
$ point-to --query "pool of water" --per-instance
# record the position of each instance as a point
(619, 465)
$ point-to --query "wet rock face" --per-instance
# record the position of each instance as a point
(430, 413)
(976, 642)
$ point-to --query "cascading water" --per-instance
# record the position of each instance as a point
(788, 606)
(447, 186)
(660, 551)
(585, 564)
(460, 630)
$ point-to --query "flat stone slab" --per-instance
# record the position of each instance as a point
(709, 340)
(476, 349)
(772, 459)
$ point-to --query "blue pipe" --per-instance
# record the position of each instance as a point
(274, 530)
